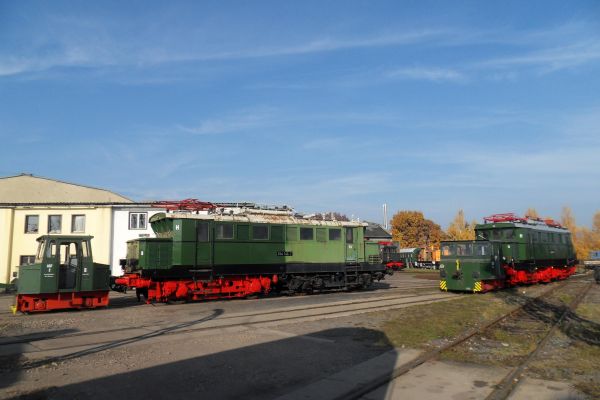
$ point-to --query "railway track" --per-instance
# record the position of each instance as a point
(508, 383)
(51, 348)
(123, 301)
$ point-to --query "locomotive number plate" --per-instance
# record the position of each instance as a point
(284, 253)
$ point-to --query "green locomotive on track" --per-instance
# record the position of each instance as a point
(217, 255)
(63, 276)
(509, 251)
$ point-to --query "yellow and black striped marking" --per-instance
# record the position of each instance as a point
(477, 287)
(443, 285)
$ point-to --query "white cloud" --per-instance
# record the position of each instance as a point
(428, 74)
(92, 47)
(241, 121)
(551, 59)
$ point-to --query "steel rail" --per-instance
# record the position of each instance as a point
(51, 336)
(432, 354)
(510, 381)
(100, 346)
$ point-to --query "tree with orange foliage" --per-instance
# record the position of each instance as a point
(412, 229)
(532, 212)
(584, 239)
(460, 229)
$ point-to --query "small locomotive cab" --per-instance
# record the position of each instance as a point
(468, 265)
(62, 276)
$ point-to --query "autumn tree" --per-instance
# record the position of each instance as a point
(532, 212)
(567, 219)
(412, 229)
(460, 229)
(596, 223)
(584, 239)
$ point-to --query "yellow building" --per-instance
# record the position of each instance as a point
(32, 206)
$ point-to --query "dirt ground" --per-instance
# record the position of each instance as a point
(268, 361)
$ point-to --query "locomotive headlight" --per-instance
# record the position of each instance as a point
(442, 266)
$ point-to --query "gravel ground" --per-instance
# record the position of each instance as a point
(249, 362)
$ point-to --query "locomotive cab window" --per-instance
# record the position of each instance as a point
(482, 250)
(202, 230)
(276, 233)
(306, 234)
(260, 232)
(321, 234)
(448, 250)
(335, 234)
(349, 235)
(224, 231)
(291, 233)
(464, 249)
(509, 234)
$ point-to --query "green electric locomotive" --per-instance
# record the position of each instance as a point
(216, 255)
(508, 251)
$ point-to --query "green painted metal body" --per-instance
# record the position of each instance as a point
(63, 264)
(464, 263)
(468, 265)
(203, 243)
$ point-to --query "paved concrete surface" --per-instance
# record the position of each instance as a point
(345, 383)
(440, 380)
(530, 388)
(433, 380)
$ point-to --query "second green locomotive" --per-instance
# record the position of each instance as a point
(197, 257)
(509, 251)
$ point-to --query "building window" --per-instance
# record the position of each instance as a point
(224, 231)
(138, 220)
(32, 223)
(26, 260)
(78, 223)
(260, 232)
(306, 234)
(54, 223)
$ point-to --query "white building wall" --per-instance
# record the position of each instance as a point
(122, 232)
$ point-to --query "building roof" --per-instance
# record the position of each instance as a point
(376, 231)
(29, 189)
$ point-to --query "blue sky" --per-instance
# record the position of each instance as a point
(325, 105)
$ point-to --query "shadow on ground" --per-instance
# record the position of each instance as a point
(263, 371)
(574, 326)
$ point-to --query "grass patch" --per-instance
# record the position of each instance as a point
(590, 312)
(565, 298)
(419, 326)
(573, 361)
